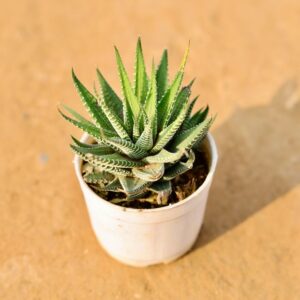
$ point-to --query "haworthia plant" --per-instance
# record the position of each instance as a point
(144, 139)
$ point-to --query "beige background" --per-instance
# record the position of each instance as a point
(246, 57)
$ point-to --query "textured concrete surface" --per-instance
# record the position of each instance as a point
(246, 57)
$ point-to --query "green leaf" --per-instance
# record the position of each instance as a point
(109, 95)
(92, 149)
(145, 141)
(129, 95)
(137, 196)
(167, 102)
(90, 103)
(95, 177)
(113, 186)
(111, 160)
(188, 138)
(167, 134)
(90, 158)
(113, 118)
(199, 117)
(95, 91)
(126, 147)
(196, 119)
(127, 117)
(151, 103)
(77, 116)
(161, 186)
(151, 172)
(191, 106)
(163, 190)
(162, 75)
(115, 171)
(133, 185)
(188, 114)
(141, 79)
(185, 56)
(90, 129)
(91, 145)
(164, 156)
(180, 101)
(136, 130)
(180, 167)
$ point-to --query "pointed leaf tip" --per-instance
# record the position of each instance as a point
(185, 57)
(140, 76)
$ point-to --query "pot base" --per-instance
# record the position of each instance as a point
(143, 263)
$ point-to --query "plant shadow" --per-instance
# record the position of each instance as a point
(259, 160)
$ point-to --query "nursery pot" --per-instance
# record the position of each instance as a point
(143, 237)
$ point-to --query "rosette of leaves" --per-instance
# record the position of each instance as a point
(143, 139)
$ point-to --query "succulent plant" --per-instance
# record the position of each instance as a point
(143, 140)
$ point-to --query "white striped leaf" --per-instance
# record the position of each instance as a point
(111, 160)
(167, 102)
(162, 75)
(180, 101)
(189, 137)
(113, 186)
(180, 167)
(126, 147)
(90, 103)
(141, 79)
(95, 149)
(133, 185)
(164, 156)
(77, 116)
(161, 186)
(95, 177)
(126, 87)
(151, 172)
(168, 133)
(151, 103)
(145, 141)
(184, 125)
(90, 129)
(114, 119)
(109, 95)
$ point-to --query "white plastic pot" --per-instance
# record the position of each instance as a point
(143, 237)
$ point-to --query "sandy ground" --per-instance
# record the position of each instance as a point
(246, 57)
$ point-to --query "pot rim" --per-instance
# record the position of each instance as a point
(213, 163)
